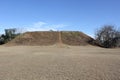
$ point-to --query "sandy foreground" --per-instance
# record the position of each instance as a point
(59, 63)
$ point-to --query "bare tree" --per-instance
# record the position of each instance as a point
(107, 36)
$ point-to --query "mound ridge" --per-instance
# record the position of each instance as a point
(52, 37)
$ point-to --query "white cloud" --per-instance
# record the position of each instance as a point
(42, 26)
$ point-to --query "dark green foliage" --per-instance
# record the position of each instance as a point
(8, 36)
(2, 39)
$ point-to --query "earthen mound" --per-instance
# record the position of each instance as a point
(52, 37)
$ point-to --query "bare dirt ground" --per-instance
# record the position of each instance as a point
(59, 63)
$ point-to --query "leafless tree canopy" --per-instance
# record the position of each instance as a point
(108, 36)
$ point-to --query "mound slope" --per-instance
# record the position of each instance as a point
(52, 37)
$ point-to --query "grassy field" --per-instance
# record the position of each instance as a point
(59, 63)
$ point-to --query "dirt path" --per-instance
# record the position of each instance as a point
(54, 63)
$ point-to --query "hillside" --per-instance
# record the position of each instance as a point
(52, 37)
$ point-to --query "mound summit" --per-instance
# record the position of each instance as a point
(38, 38)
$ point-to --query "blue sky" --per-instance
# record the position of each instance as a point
(77, 15)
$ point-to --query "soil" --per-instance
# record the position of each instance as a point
(59, 63)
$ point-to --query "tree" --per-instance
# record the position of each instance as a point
(10, 34)
(107, 36)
